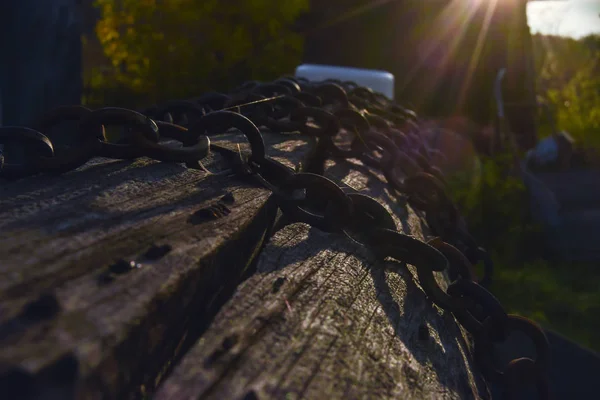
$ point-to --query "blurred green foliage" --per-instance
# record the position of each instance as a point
(568, 76)
(561, 296)
(165, 49)
(492, 201)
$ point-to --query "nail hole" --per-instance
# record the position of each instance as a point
(226, 345)
(229, 342)
(44, 307)
(202, 215)
(278, 284)
(212, 212)
(228, 198)
(250, 395)
(122, 267)
(156, 252)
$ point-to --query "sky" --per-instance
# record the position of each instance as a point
(574, 18)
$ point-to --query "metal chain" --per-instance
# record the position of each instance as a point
(385, 136)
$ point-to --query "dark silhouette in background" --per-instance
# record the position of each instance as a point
(41, 58)
(444, 53)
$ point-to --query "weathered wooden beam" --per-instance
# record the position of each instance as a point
(323, 318)
(71, 304)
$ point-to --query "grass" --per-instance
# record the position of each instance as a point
(564, 297)
(561, 297)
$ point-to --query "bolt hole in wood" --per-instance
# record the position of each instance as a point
(278, 283)
(226, 345)
(157, 252)
(123, 266)
(120, 267)
(228, 198)
(44, 308)
(212, 212)
(250, 395)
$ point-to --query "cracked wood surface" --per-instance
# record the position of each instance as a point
(322, 318)
(76, 321)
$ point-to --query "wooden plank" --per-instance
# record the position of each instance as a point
(69, 328)
(323, 318)
(70, 325)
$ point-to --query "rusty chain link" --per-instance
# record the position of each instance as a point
(384, 135)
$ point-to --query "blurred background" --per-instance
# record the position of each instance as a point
(445, 55)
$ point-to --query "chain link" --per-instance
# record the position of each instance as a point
(385, 136)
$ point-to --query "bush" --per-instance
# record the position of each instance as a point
(563, 297)
(560, 296)
(568, 75)
(578, 106)
(493, 202)
(171, 49)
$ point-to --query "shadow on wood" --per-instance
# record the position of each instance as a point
(123, 278)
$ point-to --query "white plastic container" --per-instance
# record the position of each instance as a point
(378, 81)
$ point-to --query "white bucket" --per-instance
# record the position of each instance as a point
(376, 80)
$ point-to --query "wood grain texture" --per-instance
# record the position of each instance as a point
(323, 318)
(64, 313)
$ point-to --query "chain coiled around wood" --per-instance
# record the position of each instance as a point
(385, 136)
